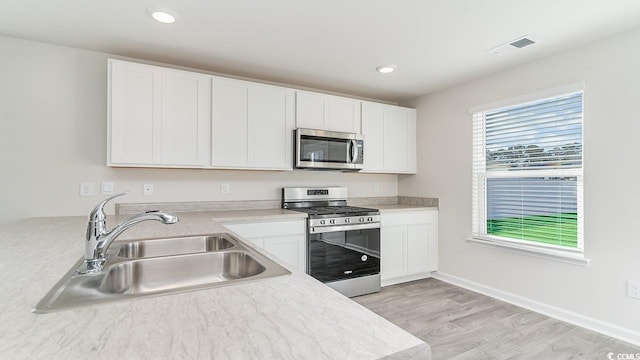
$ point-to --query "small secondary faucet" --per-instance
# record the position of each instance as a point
(99, 238)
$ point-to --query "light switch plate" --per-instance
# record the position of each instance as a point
(107, 188)
(224, 188)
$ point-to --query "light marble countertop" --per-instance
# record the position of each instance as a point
(399, 207)
(232, 216)
(287, 317)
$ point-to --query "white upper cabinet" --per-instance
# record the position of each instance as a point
(252, 125)
(271, 122)
(373, 132)
(230, 126)
(157, 116)
(327, 112)
(186, 110)
(389, 138)
(161, 117)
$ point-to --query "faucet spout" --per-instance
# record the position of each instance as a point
(107, 239)
(99, 238)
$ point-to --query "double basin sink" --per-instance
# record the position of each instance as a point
(151, 267)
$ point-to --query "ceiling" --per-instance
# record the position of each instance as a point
(332, 45)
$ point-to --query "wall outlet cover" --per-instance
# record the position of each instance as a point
(224, 188)
(147, 189)
(86, 189)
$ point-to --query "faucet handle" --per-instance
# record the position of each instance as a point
(97, 214)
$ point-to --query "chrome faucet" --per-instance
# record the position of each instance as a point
(99, 238)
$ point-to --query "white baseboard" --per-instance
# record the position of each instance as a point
(586, 322)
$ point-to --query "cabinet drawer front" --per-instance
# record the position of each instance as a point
(263, 229)
(409, 217)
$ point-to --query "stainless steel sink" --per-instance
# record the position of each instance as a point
(146, 248)
(179, 272)
(153, 267)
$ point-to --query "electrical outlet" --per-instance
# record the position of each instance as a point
(86, 189)
(376, 188)
(224, 188)
(633, 289)
(147, 189)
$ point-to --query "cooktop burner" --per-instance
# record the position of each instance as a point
(322, 203)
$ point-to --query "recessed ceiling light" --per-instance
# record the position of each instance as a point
(385, 69)
(164, 16)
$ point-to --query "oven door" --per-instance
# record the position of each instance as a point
(328, 150)
(344, 252)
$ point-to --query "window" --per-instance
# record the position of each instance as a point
(527, 174)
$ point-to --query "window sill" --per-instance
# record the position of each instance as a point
(550, 254)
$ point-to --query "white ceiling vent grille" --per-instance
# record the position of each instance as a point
(512, 46)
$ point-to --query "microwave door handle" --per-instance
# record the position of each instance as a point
(354, 151)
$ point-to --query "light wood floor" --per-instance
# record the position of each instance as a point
(462, 324)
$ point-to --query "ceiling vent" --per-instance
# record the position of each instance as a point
(512, 46)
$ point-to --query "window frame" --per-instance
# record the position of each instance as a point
(479, 176)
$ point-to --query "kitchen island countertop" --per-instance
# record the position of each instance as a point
(286, 317)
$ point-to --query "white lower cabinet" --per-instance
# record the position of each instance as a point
(408, 245)
(285, 240)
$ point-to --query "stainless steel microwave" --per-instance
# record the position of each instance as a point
(326, 150)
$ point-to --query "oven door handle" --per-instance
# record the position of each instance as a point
(337, 228)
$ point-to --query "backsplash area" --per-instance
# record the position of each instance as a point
(135, 208)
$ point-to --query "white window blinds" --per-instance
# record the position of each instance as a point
(527, 173)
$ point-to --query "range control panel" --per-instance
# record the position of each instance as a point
(344, 220)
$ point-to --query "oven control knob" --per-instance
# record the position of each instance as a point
(321, 222)
(361, 219)
(370, 219)
(332, 221)
(347, 220)
(364, 258)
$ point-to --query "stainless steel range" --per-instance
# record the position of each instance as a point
(343, 242)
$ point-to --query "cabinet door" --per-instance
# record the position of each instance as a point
(327, 112)
(134, 113)
(412, 134)
(342, 114)
(271, 123)
(432, 239)
(290, 249)
(185, 118)
(310, 110)
(390, 138)
(229, 126)
(418, 249)
(392, 252)
(373, 132)
(396, 133)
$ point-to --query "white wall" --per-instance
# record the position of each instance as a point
(53, 115)
(611, 71)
